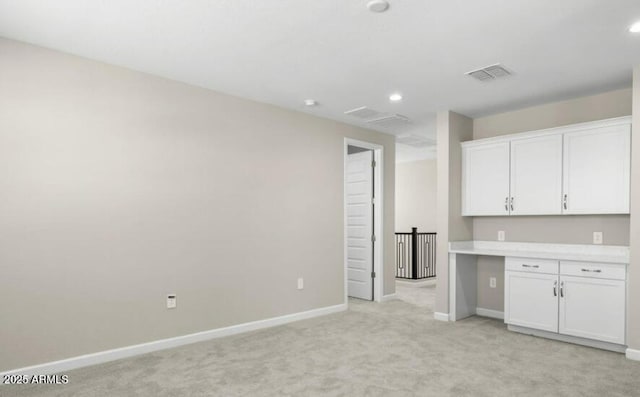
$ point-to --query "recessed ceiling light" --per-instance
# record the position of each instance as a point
(395, 97)
(378, 5)
(310, 102)
(635, 28)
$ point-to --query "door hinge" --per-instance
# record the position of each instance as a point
(373, 238)
(373, 200)
(373, 274)
(373, 163)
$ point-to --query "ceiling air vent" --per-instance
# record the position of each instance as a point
(489, 73)
(415, 140)
(363, 113)
(393, 121)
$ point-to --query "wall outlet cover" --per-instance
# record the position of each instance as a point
(492, 282)
(500, 235)
(597, 237)
(172, 302)
(300, 283)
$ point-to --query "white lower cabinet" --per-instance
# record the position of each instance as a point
(580, 299)
(530, 300)
(592, 308)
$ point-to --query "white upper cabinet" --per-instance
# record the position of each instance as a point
(536, 175)
(596, 171)
(485, 179)
(576, 169)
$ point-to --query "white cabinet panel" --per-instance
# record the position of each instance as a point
(536, 175)
(592, 308)
(485, 179)
(596, 171)
(516, 264)
(611, 271)
(531, 300)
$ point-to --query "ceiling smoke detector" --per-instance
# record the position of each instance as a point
(378, 5)
(489, 73)
(310, 102)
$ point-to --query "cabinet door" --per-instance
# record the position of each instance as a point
(531, 300)
(593, 308)
(536, 176)
(485, 179)
(596, 171)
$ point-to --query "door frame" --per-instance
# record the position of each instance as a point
(378, 230)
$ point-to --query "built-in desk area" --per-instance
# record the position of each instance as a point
(571, 292)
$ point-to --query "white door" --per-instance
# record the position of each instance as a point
(359, 187)
(536, 176)
(485, 179)
(531, 300)
(593, 308)
(596, 171)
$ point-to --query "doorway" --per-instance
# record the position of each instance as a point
(363, 220)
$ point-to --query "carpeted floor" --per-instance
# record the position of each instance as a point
(373, 349)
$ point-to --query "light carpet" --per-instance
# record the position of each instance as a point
(394, 348)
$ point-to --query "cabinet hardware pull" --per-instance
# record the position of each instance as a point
(555, 288)
(506, 204)
(511, 203)
(533, 266)
(565, 202)
(592, 270)
(562, 289)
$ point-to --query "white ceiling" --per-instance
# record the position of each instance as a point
(343, 56)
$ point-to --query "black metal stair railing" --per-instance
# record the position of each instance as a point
(415, 255)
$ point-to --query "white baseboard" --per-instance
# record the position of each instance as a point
(632, 354)
(134, 350)
(417, 283)
(441, 316)
(614, 347)
(390, 297)
(489, 313)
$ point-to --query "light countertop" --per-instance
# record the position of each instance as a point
(569, 252)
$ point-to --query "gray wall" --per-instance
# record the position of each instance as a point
(633, 283)
(452, 128)
(416, 201)
(575, 229)
(119, 187)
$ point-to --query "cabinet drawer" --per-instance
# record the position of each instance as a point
(595, 270)
(531, 265)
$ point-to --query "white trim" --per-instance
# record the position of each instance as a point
(378, 257)
(134, 350)
(632, 354)
(489, 313)
(568, 338)
(441, 316)
(417, 283)
(551, 131)
(390, 297)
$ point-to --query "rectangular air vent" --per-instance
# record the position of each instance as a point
(363, 113)
(393, 122)
(415, 140)
(489, 73)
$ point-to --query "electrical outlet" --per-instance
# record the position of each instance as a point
(597, 237)
(300, 283)
(492, 282)
(500, 235)
(171, 301)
